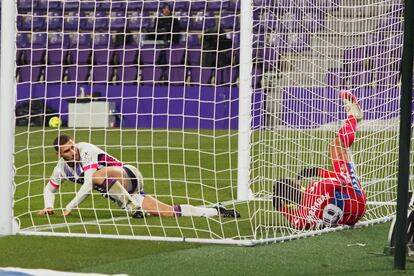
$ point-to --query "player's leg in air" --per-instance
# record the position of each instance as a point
(342, 164)
(346, 201)
(132, 181)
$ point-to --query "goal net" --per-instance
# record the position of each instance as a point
(160, 86)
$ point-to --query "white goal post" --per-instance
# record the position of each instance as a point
(231, 97)
(7, 102)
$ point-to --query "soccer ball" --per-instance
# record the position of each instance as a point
(55, 122)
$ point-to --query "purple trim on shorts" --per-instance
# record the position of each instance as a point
(107, 184)
(177, 210)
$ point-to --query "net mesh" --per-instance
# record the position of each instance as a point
(160, 92)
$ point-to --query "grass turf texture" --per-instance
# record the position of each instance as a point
(196, 167)
(330, 254)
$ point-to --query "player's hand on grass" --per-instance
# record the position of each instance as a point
(46, 211)
(66, 213)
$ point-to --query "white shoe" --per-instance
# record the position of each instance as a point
(351, 105)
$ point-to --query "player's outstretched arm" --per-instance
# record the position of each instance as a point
(49, 199)
(82, 194)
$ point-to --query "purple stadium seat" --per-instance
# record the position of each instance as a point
(29, 73)
(271, 60)
(234, 6)
(180, 5)
(88, 5)
(150, 6)
(54, 73)
(50, 5)
(151, 74)
(22, 40)
(102, 73)
(70, 6)
(194, 56)
(193, 40)
(57, 48)
(80, 41)
(127, 73)
(335, 77)
(217, 5)
(78, 73)
(21, 45)
(229, 21)
(176, 74)
(202, 21)
(226, 76)
(31, 22)
(361, 78)
(134, 5)
(72, 21)
(102, 53)
(258, 39)
(118, 21)
(54, 20)
(175, 55)
(80, 49)
(101, 21)
(127, 55)
(236, 40)
(257, 74)
(148, 21)
(25, 6)
(354, 59)
(134, 21)
(98, 21)
(149, 54)
(200, 75)
(196, 6)
(183, 19)
(387, 79)
(38, 49)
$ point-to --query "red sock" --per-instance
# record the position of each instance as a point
(347, 131)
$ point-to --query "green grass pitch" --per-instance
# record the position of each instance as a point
(196, 167)
(349, 252)
(174, 163)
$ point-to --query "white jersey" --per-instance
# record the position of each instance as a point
(90, 157)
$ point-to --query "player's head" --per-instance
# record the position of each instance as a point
(65, 148)
(286, 191)
(166, 9)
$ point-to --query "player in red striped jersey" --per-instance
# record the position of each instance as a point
(336, 199)
(93, 168)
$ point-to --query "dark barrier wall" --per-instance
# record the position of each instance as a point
(206, 107)
(194, 107)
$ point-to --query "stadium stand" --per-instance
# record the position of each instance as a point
(288, 31)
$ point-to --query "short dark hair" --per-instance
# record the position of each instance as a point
(286, 191)
(61, 140)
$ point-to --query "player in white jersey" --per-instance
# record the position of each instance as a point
(93, 168)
